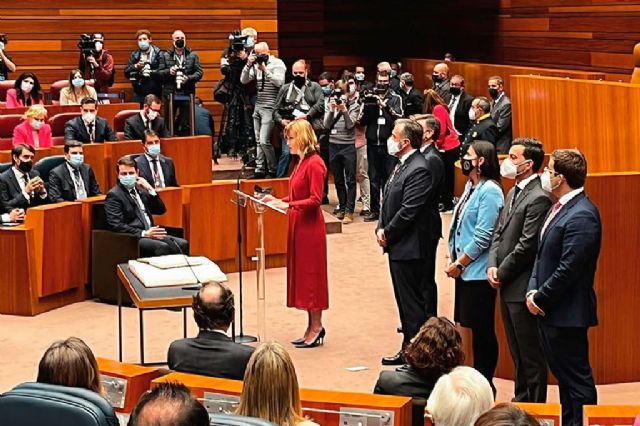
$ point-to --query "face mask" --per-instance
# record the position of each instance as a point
(383, 86)
(25, 166)
(467, 166)
(250, 42)
(299, 80)
(26, 87)
(472, 114)
(545, 181)
(128, 181)
(1, 45)
(493, 93)
(352, 89)
(179, 44)
(77, 82)
(76, 160)
(326, 90)
(88, 117)
(99, 46)
(393, 147)
(143, 45)
(436, 78)
(36, 124)
(455, 91)
(359, 76)
(510, 170)
(154, 150)
(151, 115)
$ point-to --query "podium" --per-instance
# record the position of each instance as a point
(260, 207)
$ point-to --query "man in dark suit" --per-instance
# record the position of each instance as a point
(148, 119)
(482, 126)
(511, 257)
(412, 99)
(74, 179)
(459, 106)
(89, 128)
(441, 83)
(501, 114)
(21, 187)
(212, 352)
(130, 206)
(561, 290)
(402, 229)
(154, 167)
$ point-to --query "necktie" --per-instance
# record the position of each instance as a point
(156, 176)
(25, 177)
(515, 195)
(91, 135)
(138, 201)
(81, 193)
(553, 213)
(451, 102)
(148, 124)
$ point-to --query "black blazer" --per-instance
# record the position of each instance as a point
(442, 89)
(62, 188)
(412, 102)
(210, 354)
(405, 383)
(11, 194)
(461, 114)
(565, 266)
(515, 239)
(435, 177)
(484, 130)
(403, 214)
(75, 129)
(123, 214)
(167, 166)
(134, 128)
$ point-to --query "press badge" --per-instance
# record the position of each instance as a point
(334, 131)
(381, 121)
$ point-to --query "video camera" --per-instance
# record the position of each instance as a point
(87, 45)
(238, 42)
(337, 95)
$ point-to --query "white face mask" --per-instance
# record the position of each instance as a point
(151, 115)
(26, 86)
(99, 46)
(88, 117)
(510, 170)
(36, 124)
(393, 147)
(472, 114)
(352, 88)
(1, 45)
(545, 181)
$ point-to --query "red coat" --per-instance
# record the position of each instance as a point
(22, 134)
(445, 141)
(307, 286)
(14, 102)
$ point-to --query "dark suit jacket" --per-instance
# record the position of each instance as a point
(405, 383)
(435, 178)
(403, 215)
(412, 102)
(75, 129)
(11, 194)
(565, 265)
(443, 90)
(210, 354)
(461, 114)
(134, 128)
(168, 169)
(62, 188)
(122, 212)
(484, 130)
(515, 240)
(501, 115)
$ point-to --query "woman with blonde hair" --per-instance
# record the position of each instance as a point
(34, 130)
(307, 287)
(270, 389)
(77, 90)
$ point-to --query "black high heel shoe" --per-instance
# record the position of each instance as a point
(298, 341)
(317, 342)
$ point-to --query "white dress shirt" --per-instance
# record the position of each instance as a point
(158, 180)
(78, 184)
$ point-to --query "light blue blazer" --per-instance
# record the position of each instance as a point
(474, 229)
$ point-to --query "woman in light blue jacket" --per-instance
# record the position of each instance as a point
(472, 224)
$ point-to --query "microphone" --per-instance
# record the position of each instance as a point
(198, 285)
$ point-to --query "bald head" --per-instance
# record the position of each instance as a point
(169, 404)
(261, 48)
(442, 69)
(213, 307)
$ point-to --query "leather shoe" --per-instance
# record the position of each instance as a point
(403, 368)
(371, 218)
(396, 359)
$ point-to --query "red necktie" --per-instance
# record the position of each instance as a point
(553, 213)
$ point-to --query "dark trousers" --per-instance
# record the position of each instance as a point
(522, 333)
(323, 141)
(343, 165)
(181, 113)
(485, 351)
(430, 290)
(408, 277)
(449, 158)
(150, 247)
(567, 352)
(380, 166)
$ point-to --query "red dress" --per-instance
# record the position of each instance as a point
(307, 286)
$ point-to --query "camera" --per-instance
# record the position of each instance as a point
(87, 45)
(369, 97)
(286, 112)
(262, 58)
(180, 76)
(337, 94)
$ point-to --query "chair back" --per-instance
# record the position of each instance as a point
(37, 404)
(8, 123)
(121, 117)
(233, 420)
(56, 87)
(4, 167)
(99, 217)
(46, 164)
(4, 86)
(6, 143)
(58, 121)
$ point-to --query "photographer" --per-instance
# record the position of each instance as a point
(6, 64)
(142, 67)
(268, 71)
(380, 109)
(179, 70)
(301, 99)
(96, 63)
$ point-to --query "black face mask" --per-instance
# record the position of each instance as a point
(179, 44)
(455, 91)
(299, 80)
(436, 78)
(493, 93)
(383, 87)
(25, 166)
(467, 166)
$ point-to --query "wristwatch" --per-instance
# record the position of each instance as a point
(460, 266)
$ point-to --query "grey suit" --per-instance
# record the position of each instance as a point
(513, 252)
(443, 90)
(501, 114)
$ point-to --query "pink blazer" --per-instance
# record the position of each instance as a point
(13, 102)
(22, 134)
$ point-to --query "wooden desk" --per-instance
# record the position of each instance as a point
(87, 221)
(192, 157)
(610, 415)
(5, 155)
(113, 152)
(138, 380)
(172, 199)
(106, 111)
(94, 155)
(312, 399)
(549, 412)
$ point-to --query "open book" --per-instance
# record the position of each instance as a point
(202, 270)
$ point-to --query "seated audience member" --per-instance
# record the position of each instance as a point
(34, 130)
(270, 390)
(148, 119)
(153, 166)
(434, 351)
(506, 414)
(169, 404)
(74, 179)
(13, 216)
(204, 120)
(482, 125)
(6, 63)
(77, 90)
(26, 92)
(212, 352)
(89, 128)
(130, 206)
(459, 398)
(20, 186)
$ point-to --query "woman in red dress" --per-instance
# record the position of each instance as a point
(307, 286)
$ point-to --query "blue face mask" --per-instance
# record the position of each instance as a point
(128, 180)
(76, 159)
(143, 45)
(154, 150)
(326, 90)
(77, 82)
